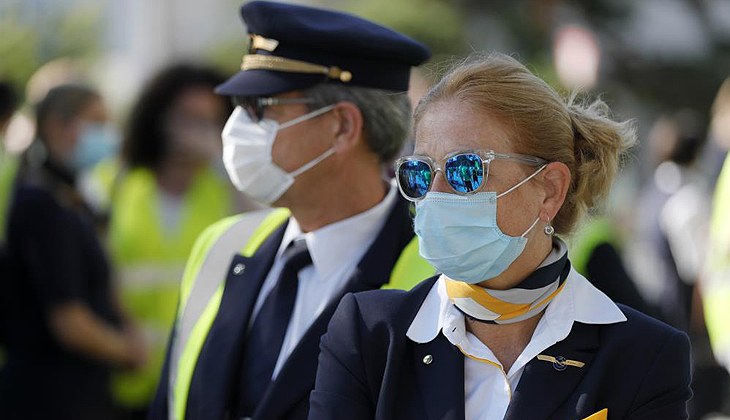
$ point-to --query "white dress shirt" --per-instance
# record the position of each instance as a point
(487, 387)
(336, 249)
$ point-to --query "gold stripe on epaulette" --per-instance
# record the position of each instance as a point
(272, 62)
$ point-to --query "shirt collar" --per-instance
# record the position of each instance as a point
(579, 301)
(343, 241)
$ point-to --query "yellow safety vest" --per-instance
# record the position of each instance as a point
(150, 261)
(198, 310)
(716, 282)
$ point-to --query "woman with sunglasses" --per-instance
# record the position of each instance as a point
(503, 169)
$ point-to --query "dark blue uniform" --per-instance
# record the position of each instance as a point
(369, 369)
(215, 385)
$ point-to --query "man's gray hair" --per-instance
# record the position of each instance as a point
(386, 115)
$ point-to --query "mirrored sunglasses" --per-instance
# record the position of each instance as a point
(465, 172)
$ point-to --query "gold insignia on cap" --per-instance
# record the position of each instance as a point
(258, 42)
(272, 62)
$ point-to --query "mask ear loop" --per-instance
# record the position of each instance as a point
(534, 174)
(321, 157)
(311, 164)
(530, 228)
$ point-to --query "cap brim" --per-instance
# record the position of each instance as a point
(261, 82)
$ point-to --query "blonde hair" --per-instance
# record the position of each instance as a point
(581, 135)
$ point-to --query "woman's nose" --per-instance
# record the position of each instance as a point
(440, 184)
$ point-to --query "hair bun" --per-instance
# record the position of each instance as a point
(598, 142)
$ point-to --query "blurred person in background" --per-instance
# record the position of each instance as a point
(64, 330)
(672, 213)
(714, 285)
(168, 186)
(672, 227)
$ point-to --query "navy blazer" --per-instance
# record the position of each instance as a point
(369, 369)
(215, 378)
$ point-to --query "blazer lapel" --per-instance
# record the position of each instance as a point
(297, 375)
(543, 388)
(218, 361)
(440, 378)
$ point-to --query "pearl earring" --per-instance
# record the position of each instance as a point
(549, 230)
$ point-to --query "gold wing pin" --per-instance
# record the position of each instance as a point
(560, 362)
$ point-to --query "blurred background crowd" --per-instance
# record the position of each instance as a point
(122, 91)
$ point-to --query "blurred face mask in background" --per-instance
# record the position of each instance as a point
(97, 142)
(247, 148)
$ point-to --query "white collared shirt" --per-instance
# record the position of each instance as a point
(336, 249)
(487, 387)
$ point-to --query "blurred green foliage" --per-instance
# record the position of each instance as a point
(226, 56)
(27, 43)
(18, 49)
(437, 23)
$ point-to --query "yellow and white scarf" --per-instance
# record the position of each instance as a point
(521, 302)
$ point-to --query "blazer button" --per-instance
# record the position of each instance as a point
(238, 269)
(559, 363)
(427, 359)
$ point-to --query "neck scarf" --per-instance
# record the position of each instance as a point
(525, 300)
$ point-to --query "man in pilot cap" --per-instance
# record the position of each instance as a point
(321, 111)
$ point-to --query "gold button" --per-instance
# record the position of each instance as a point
(427, 359)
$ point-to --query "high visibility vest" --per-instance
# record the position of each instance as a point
(149, 261)
(204, 281)
(715, 284)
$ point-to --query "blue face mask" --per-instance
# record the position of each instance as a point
(96, 143)
(459, 235)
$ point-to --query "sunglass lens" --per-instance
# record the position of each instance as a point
(414, 178)
(464, 172)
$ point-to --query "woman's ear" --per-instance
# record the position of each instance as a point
(556, 181)
(348, 126)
